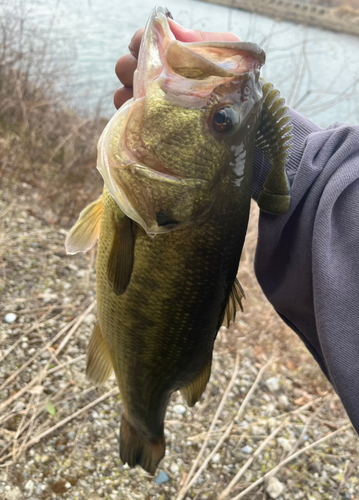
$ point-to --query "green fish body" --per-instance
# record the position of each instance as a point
(171, 222)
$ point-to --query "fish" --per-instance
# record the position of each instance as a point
(176, 161)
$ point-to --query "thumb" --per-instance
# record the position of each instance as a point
(183, 35)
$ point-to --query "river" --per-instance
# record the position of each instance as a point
(317, 71)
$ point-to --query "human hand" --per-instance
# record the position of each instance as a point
(126, 65)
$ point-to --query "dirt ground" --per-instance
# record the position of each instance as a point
(268, 425)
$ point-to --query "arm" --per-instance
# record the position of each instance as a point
(307, 261)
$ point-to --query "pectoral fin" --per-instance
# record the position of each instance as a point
(120, 261)
(99, 364)
(85, 232)
(194, 390)
(234, 303)
(272, 139)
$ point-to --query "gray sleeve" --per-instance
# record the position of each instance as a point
(307, 261)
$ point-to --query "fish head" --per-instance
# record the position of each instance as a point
(166, 153)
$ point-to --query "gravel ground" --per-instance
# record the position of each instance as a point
(267, 402)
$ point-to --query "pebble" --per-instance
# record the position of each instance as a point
(273, 384)
(274, 487)
(71, 434)
(162, 478)
(90, 319)
(256, 430)
(14, 494)
(285, 443)
(174, 468)
(179, 409)
(10, 317)
(332, 460)
(247, 449)
(283, 401)
(29, 486)
(216, 458)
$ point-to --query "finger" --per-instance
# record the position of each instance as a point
(125, 67)
(135, 43)
(122, 95)
(183, 35)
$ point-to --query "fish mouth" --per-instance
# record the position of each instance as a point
(204, 63)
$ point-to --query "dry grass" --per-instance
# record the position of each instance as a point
(44, 141)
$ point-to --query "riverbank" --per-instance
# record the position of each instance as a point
(344, 19)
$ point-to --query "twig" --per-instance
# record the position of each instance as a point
(253, 388)
(35, 381)
(185, 487)
(249, 462)
(32, 327)
(205, 463)
(76, 322)
(289, 459)
(38, 438)
(347, 473)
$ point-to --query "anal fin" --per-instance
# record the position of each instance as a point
(193, 391)
(99, 364)
(234, 303)
(137, 450)
(120, 261)
(85, 232)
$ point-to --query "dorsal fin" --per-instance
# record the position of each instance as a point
(234, 303)
(85, 232)
(272, 139)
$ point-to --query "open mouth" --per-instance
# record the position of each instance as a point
(195, 60)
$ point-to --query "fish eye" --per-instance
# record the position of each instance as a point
(224, 119)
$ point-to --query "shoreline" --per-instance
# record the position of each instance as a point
(343, 19)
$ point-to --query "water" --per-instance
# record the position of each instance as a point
(317, 71)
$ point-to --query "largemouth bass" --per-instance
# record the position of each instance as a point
(177, 168)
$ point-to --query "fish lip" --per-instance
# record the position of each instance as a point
(252, 49)
(158, 39)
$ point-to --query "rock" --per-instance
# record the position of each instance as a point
(256, 430)
(3, 476)
(71, 435)
(216, 458)
(161, 478)
(285, 443)
(283, 401)
(94, 496)
(274, 487)
(29, 486)
(315, 467)
(10, 317)
(174, 468)
(14, 494)
(90, 319)
(179, 409)
(247, 449)
(273, 384)
(332, 460)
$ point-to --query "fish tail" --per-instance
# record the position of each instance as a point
(137, 450)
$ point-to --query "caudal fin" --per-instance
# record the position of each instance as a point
(136, 450)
